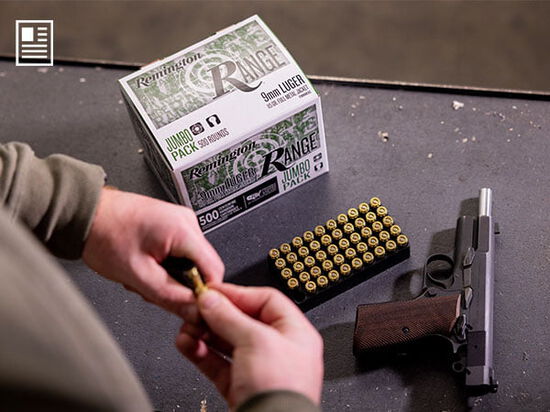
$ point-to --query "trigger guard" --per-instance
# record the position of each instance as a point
(438, 282)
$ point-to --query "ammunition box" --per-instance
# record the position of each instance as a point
(331, 258)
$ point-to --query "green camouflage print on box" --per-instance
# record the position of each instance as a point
(185, 84)
(241, 165)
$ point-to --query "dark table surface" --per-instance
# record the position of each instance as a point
(428, 172)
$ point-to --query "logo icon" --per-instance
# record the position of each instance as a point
(197, 128)
(213, 120)
(34, 42)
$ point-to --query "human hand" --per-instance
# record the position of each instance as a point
(131, 234)
(272, 344)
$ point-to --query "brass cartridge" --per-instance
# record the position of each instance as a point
(322, 281)
(348, 228)
(331, 225)
(381, 211)
(274, 254)
(372, 242)
(326, 240)
(332, 249)
(391, 246)
(321, 256)
(297, 242)
(359, 223)
(361, 247)
(384, 236)
(311, 287)
(292, 283)
(377, 226)
(395, 230)
(337, 234)
(292, 258)
(286, 273)
(343, 244)
(379, 251)
(327, 265)
(353, 213)
(308, 236)
(356, 263)
(370, 217)
(350, 253)
(342, 219)
(315, 272)
(298, 267)
(355, 238)
(285, 248)
(402, 240)
(363, 208)
(368, 258)
(304, 277)
(309, 261)
(319, 230)
(280, 263)
(345, 269)
(387, 221)
(338, 259)
(314, 246)
(374, 202)
(333, 275)
(366, 232)
(303, 251)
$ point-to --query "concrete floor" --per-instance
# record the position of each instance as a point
(482, 43)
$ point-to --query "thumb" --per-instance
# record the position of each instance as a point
(225, 319)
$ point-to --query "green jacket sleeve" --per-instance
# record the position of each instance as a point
(278, 401)
(55, 197)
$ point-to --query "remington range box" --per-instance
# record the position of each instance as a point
(229, 123)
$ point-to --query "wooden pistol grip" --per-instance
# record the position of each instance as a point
(381, 325)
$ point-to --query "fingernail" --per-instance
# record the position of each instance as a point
(208, 299)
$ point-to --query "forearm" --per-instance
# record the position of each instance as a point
(55, 197)
(278, 401)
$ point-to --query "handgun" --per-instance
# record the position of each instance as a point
(455, 303)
